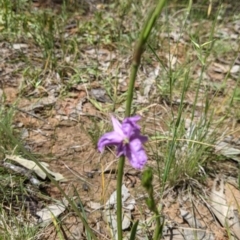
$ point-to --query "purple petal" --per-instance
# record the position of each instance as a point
(117, 126)
(133, 119)
(141, 138)
(130, 127)
(136, 154)
(120, 150)
(111, 138)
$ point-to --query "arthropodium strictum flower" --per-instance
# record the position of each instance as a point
(128, 140)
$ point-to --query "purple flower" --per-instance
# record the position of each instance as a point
(128, 139)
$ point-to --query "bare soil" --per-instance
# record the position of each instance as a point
(58, 128)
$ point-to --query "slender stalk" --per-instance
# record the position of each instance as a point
(147, 178)
(158, 228)
(138, 51)
(121, 163)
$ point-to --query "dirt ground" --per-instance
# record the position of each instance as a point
(63, 131)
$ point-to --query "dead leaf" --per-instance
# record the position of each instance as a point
(220, 68)
(232, 196)
(100, 95)
(52, 211)
(33, 167)
(111, 207)
(40, 103)
(22, 171)
(235, 69)
(227, 150)
(196, 230)
(19, 46)
(225, 212)
(94, 205)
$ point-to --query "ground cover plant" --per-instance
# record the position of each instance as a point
(65, 72)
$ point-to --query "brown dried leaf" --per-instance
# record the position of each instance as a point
(224, 211)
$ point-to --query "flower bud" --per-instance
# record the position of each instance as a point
(147, 178)
(150, 203)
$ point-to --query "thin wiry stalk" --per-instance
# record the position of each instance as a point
(139, 49)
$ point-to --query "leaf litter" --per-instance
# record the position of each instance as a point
(63, 137)
(32, 166)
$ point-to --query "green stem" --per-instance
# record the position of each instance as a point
(158, 224)
(158, 228)
(119, 196)
(156, 213)
(139, 49)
